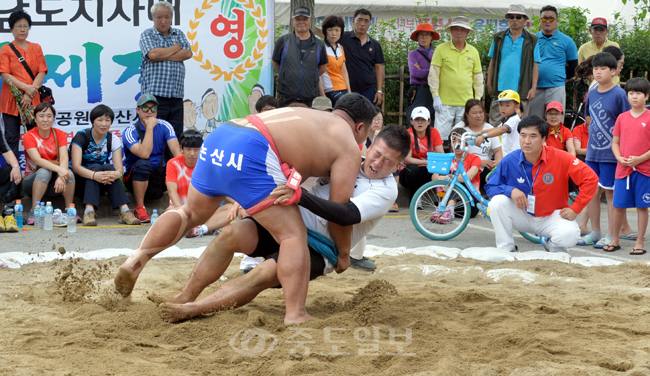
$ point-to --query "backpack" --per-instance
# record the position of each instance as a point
(87, 134)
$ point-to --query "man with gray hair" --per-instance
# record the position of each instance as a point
(164, 49)
(456, 75)
(514, 56)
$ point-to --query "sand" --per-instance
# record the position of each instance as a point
(416, 315)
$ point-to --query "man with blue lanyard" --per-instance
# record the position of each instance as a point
(529, 191)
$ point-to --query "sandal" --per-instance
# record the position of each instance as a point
(611, 247)
(637, 251)
(587, 240)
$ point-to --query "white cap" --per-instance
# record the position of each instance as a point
(420, 112)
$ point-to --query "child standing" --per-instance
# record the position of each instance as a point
(602, 107)
(559, 136)
(631, 147)
(580, 142)
(509, 104)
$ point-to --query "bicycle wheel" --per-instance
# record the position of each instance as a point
(426, 218)
(534, 238)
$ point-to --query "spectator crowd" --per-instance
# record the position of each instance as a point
(520, 136)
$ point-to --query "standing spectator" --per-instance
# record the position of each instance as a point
(631, 147)
(598, 31)
(513, 65)
(365, 58)
(89, 153)
(164, 49)
(538, 202)
(12, 69)
(335, 80)
(456, 76)
(424, 139)
(145, 142)
(474, 121)
(559, 60)
(300, 59)
(46, 168)
(419, 66)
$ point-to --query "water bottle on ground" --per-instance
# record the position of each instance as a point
(154, 216)
(37, 215)
(41, 214)
(72, 219)
(48, 216)
(18, 212)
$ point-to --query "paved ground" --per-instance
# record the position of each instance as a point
(396, 230)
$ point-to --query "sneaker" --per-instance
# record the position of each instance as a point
(129, 218)
(10, 224)
(59, 219)
(419, 205)
(31, 218)
(140, 212)
(363, 264)
(446, 217)
(394, 208)
(195, 232)
(543, 240)
(435, 216)
(89, 219)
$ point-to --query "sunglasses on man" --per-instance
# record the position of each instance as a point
(513, 16)
(149, 110)
(547, 19)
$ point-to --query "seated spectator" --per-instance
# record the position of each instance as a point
(559, 136)
(46, 169)
(10, 183)
(89, 152)
(266, 103)
(472, 164)
(144, 165)
(179, 175)
(322, 104)
(424, 139)
(474, 121)
(335, 81)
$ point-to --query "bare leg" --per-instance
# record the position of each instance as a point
(68, 194)
(139, 189)
(234, 293)
(609, 194)
(618, 215)
(240, 237)
(584, 220)
(625, 226)
(288, 230)
(38, 190)
(593, 209)
(219, 219)
(167, 231)
(643, 223)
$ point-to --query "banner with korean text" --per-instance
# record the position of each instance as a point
(92, 52)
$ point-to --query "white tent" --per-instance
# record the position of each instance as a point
(384, 9)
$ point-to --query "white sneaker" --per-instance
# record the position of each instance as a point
(59, 219)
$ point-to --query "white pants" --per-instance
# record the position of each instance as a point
(357, 251)
(505, 216)
(445, 120)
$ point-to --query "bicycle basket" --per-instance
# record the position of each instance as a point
(438, 163)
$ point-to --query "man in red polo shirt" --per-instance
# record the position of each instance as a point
(529, 191)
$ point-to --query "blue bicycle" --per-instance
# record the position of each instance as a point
(430, 202)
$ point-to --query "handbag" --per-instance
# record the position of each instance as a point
(44, 91)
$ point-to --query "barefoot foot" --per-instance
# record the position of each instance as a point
(171, 312)
(289, 321)
(124, 281)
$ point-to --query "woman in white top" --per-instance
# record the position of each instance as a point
(474, 121)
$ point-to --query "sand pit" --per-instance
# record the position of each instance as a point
(417, 315)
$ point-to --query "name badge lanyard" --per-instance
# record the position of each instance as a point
(535, 178)
(531, 195)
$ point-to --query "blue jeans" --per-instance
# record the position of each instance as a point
(370, 94)
(335, 95)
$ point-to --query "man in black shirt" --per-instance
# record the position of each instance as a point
(364, 58)
(299, 58)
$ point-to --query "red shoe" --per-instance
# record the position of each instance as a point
(195, 232)
(140, 213)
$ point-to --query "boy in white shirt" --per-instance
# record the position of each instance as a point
(509, 103)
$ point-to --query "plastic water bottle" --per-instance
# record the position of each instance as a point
(154, 216)
(41, 215)
(48, 216)
(18, 212)
(37, 215)
(72, 219)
